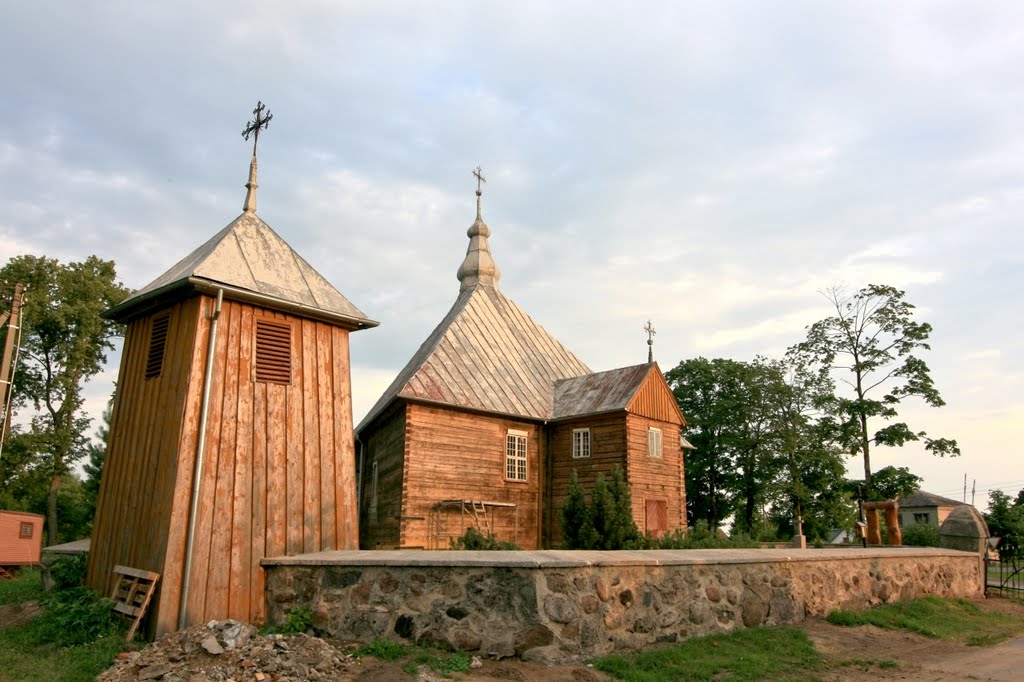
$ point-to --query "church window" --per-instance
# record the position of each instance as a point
(654, 442)
(157, 345)
(273, 352)
(515, 455)
(580, 443)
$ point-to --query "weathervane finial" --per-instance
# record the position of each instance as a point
(260, 121)
(649, 328)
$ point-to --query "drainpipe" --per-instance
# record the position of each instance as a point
(197, 473)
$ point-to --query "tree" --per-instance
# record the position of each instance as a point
(730, 408)
(1005, 519)
(64, 343)
(96, 453)
(893, 483)
(873, 343)
(577, 530)
(812, 467)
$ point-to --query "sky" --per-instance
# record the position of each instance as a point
(712, 167)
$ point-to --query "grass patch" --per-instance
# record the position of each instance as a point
(755, 654)
(26, 586)
(444, 663)
(73, 639)
(954, 619)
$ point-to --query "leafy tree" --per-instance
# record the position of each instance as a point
(731, 413)
(1005, 519)
(873, 343)
(811, 463)
(892, 483)
(64, 344)
(96, 452)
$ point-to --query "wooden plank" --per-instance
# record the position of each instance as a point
(218, 582)
(347, 516)
(310, 441)
(257, 602)
(328, 502)
(296, 456)
(186, 442)
(241, 500)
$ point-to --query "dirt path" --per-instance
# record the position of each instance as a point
(900, 655)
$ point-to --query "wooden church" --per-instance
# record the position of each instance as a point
(487, 421)
(231, 434)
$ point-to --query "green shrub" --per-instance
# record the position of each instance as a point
(68, 571)
(606, 522)
(74, 616)
(921, 535)
(474, 540)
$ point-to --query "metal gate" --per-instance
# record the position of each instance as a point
(1004, 569)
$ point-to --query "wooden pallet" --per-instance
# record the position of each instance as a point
(132, 593)
(5, 574)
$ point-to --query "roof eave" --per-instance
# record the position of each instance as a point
(136, 306)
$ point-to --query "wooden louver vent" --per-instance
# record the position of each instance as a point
(157, 345)
(273, 352)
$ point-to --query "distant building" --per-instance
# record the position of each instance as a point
(925, 507)
(486, 422)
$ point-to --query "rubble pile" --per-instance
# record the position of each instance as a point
(230, 651)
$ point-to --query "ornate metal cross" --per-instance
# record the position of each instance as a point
(479, 175)
(253, 127)
(649, 328)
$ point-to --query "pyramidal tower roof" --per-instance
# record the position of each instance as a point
(486, 354)
(250, 262)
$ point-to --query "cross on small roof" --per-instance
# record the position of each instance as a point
(649, 328)
(253, 126)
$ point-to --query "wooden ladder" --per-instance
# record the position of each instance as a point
(480, 516)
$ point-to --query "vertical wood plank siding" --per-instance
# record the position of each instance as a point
(453, 454)
(279, 461)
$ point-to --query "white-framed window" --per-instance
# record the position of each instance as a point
(25, 532)
(515, 455)
(580, 443)
(654, 442)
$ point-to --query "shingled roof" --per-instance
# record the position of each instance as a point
(922, 498)
(486, 354)
(250, 262)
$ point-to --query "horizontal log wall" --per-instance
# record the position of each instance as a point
(454, 454)
(383, 462)
(607, 452)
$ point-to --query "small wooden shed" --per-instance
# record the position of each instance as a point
(231, 433)
(21, 538)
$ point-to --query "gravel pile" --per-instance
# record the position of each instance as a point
(230, 651)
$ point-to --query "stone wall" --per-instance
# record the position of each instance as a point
(551, 605)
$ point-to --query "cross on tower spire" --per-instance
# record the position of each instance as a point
(253, 127)
(649, 328)
(259, 121)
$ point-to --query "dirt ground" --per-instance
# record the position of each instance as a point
(852, 654)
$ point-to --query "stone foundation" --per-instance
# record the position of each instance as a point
(558, 605)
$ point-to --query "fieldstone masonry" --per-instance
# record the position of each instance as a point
(556, 605)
